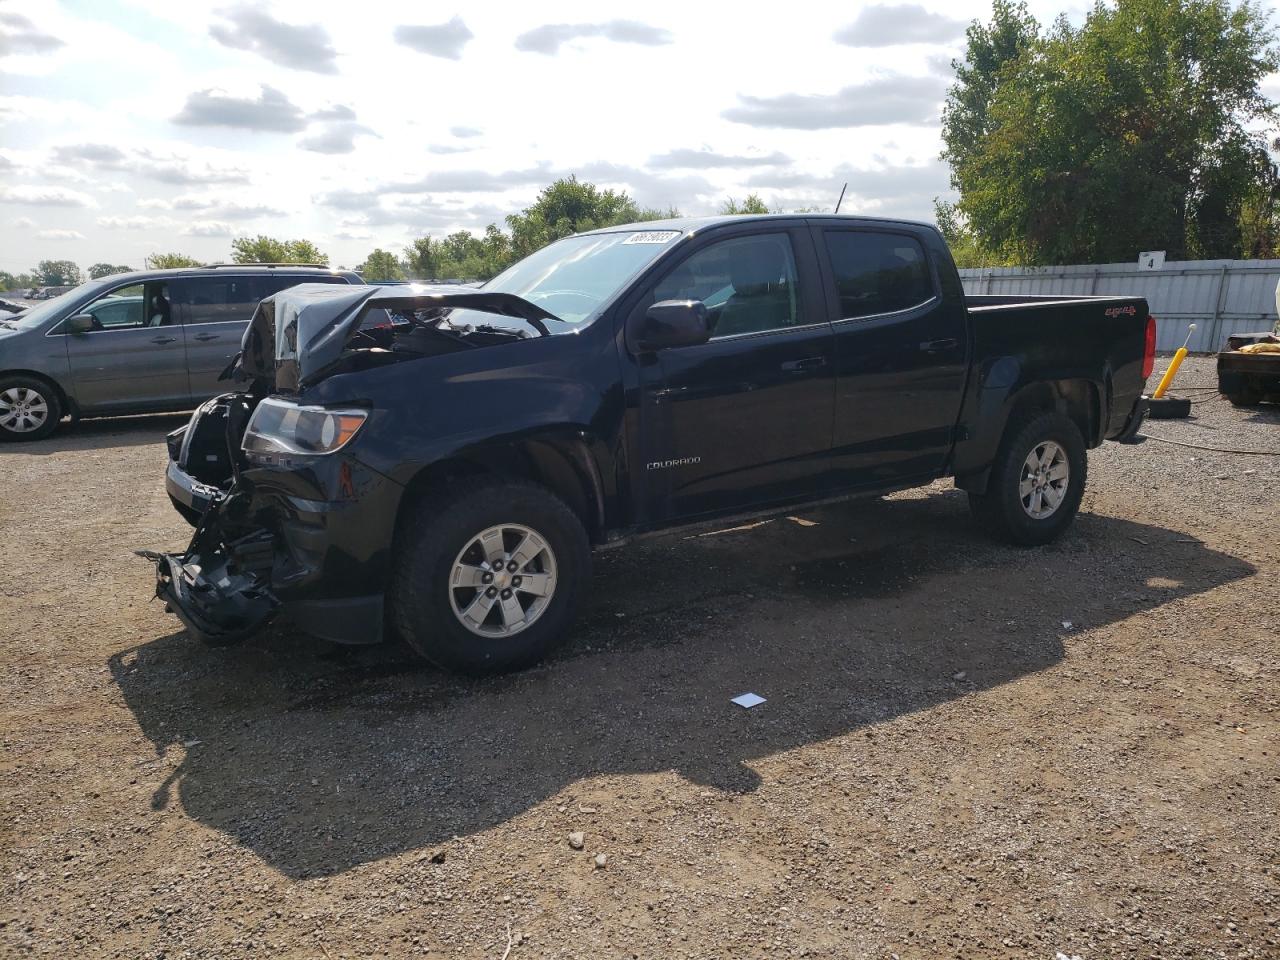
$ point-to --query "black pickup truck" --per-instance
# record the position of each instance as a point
(446, 476)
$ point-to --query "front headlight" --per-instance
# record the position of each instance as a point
(280, 427)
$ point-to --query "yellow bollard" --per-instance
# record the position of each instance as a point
(1174, 365)
(1168, 374)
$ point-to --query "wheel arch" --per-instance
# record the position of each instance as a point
(65, 400)
(559, 460)
(1078, 398)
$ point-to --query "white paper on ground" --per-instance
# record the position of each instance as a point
(748, 700)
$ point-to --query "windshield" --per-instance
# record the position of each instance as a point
(573, 277)
(41, 312)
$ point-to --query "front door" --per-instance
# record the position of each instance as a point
(744, 419)
(134, 357)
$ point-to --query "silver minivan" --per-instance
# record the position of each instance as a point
(140, 342)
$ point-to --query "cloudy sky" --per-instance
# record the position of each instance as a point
(134, 126)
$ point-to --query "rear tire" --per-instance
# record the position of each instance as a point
(1036, 482)
(455, 606)
(30, 408)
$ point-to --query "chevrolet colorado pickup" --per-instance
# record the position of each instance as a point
(446, 477)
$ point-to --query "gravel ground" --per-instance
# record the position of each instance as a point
(968, 750)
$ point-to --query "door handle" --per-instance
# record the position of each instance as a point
(937, 346)
(163, 339)
(206, 336)
(805, 365)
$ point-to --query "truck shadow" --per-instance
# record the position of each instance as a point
(843, 618)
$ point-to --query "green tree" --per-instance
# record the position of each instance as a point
(966, 248)
(753, 204)
(99, 270)
(990, 48)
(170, 261)
(58, 273)
(304, 251)
(421, 259)
(262, 249)
(381, 265)
(22, 281)
(1144, 128)
(1260, 215)
(498, 254)
(565, 207)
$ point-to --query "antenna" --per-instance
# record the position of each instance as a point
(841, 200)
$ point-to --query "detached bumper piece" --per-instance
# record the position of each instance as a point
(221, 592)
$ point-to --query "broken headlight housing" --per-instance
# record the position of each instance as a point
(280, 428)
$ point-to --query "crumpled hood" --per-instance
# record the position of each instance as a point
(297, 334)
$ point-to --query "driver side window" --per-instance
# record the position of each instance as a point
(131, 308)
(747, 283)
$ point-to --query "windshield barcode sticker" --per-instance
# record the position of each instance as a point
(653, 236)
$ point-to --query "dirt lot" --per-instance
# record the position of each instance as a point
(967, 749)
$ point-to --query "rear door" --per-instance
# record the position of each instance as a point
(900, 355)
(744, 419)
(133, 357)
(215, 309)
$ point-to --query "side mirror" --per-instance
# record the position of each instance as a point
(80, 323)
(671, 323)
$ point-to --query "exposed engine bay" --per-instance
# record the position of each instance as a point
(409, 334)
(301, 334)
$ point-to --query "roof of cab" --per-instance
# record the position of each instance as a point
(691, 224)
(224, 269)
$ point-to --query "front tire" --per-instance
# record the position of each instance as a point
(489, 579)
(1036, 482)
(30, 408)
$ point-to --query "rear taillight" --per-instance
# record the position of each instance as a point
(1149, 349)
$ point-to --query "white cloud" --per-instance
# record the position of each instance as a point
(41, 196)
(19, 35)
(270, 111)
(228, 208)
(60, 235)
(129, 223)
(300, 46)
(23, 223)
(885, 25)
(445, 40)
(885, 100)
(549, 38)
(207, 228)
(335, 138)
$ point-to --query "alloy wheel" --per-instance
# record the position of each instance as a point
(1046, 474)
(502, 581)
(23, 410)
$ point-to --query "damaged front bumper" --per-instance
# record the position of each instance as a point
(220, 591)
(269, 548)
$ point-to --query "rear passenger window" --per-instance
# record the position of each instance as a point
(878, 272)
(219, 299)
